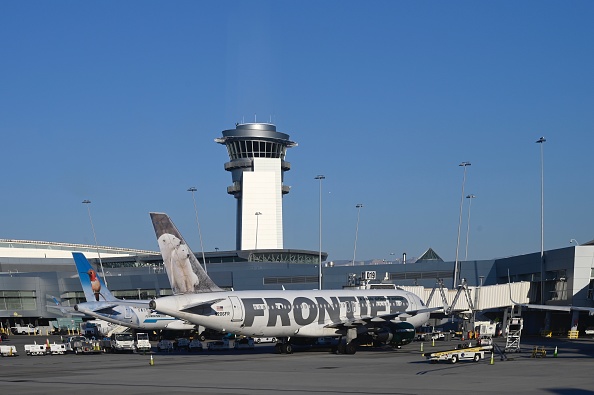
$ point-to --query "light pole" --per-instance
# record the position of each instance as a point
(193, 189)
(469, 197)
(541, 142)
(257, 214)
(320, 177)
(358, 206)
(456, 269)
(87, 202)
(574, 241)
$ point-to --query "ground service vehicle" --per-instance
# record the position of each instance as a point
(219, 345)
(8, 351)
(35, 349)
(142, 343)
(81, 345)
(195, 345)
(165, 345)
(24, 329)
(56, 349)
(265, 340)
(460, 353)
(122, 342)
(182, 343)
(246, 342)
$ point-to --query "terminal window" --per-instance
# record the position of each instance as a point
(18, 300)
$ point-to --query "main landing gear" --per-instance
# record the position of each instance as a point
(348, 346)
(344, 347)
(283, 347)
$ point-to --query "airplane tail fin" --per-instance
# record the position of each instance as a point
(183, 269)
(93, 285)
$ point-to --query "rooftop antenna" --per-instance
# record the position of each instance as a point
(255, 119)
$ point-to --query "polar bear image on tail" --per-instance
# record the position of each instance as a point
(176, 258)
(183, 269)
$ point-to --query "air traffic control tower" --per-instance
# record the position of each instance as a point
(257, 163)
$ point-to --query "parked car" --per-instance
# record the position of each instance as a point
(195, 345)
(219, 345)
(246, 342)
(165, 345)
(265, 340)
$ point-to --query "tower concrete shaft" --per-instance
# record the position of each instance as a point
(257, 164)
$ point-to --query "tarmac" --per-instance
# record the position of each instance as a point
(261, 371)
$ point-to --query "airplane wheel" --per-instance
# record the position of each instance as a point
(288, 348)
(341, 348)
(278, 349)
(351, 348)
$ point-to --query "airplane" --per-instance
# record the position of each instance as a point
(102, 304)
(65, 310)
(354, 316)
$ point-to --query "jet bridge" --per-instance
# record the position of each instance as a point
(467, 299)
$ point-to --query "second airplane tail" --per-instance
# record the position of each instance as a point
(93, 286)
(183, 269)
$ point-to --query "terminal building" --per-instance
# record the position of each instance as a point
(34, 275)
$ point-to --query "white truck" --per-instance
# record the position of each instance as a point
(142, 343)
(28, 329)
(121, 342)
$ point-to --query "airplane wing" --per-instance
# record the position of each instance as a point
(402, 316)
(201, 307)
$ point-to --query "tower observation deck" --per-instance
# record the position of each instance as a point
(257, 164)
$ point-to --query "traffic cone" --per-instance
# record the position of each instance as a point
(421, 346)
(432, 342)
(152, 362)
(492, 358)
(555, 353)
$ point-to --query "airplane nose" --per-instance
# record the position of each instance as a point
(152, 305)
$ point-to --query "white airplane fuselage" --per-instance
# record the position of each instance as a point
(141, 318)
(295, 313)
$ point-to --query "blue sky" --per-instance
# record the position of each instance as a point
(119, 102)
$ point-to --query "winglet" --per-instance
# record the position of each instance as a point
(183, 269)
(92, 284)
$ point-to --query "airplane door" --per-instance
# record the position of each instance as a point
(237, 309)
(128, 313)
